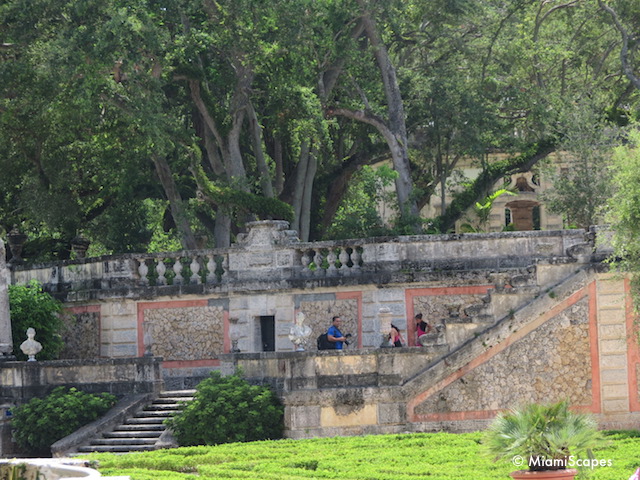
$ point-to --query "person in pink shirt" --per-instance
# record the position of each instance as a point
(422, 328)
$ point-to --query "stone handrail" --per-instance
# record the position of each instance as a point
(270, 253)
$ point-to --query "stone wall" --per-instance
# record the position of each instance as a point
(22, 381)
(526, 316)
(566, 344)
(81, 333)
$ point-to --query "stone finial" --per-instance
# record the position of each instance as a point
(30, 346)
(267, 233)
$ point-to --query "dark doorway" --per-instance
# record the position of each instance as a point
(268, 333)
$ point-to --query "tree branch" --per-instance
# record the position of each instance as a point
(484, 182)
(624, 52)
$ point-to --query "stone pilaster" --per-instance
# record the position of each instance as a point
(6, 340)
(612, 345)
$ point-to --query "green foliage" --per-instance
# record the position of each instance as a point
(43, 421)
(624, 210)
(542, 432)
(581, 180)
(483, 208)
(358, 215)
(233, 198)
(437, 456)
(474, 78)
(228, 409)
(30, 306)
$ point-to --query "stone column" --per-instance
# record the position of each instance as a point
(6, 341)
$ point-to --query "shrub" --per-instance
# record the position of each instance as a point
(544, 435)
(43, 421)
(228, 409)
(30, 306)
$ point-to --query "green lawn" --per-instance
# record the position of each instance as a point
(381, 457)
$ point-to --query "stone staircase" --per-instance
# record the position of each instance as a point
(144, 430)
(513, 289)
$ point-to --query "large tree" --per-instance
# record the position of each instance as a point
(223, 111)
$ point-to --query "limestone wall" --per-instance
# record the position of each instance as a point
(527, 316)
(574, 342)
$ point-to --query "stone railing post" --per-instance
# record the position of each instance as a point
(264, 253)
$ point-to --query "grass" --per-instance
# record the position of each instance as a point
(437, 456)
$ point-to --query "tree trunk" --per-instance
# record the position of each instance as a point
(278, 159)
(298, 189)
(222, 230)
(339, 185)
(399, 146)
(258, 151)
(305, 210)
(187, 239)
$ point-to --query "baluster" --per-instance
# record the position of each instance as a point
(143, 271)
(355, 259)
(331, 258)
(195, 270)
(225, 267)
(317, 259)
(305, 260)
(177, 269)
(161, 269)
(344, 260)
(212, 266)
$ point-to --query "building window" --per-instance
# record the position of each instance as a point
(507, 217)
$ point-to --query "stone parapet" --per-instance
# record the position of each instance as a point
(294, 371)
(269, 257)
(21, 381)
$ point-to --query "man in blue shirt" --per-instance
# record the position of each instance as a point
(334, 334)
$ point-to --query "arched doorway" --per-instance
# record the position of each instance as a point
(524, 214)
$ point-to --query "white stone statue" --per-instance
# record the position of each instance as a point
(30, 346)
(299, 332)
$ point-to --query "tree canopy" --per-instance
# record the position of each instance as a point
(124, 119)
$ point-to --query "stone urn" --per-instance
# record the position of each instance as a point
(79, 246)
(16, 241)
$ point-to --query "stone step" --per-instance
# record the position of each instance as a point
(155, 413)
(144, 427)
(177, 393)
(133, 434)
(143, 430)
(116, 448)
(124, 441)
(478, 309)
(154, 407)
(144, 421)
(171, 400)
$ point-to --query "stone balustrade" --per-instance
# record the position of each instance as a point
(270, 254)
